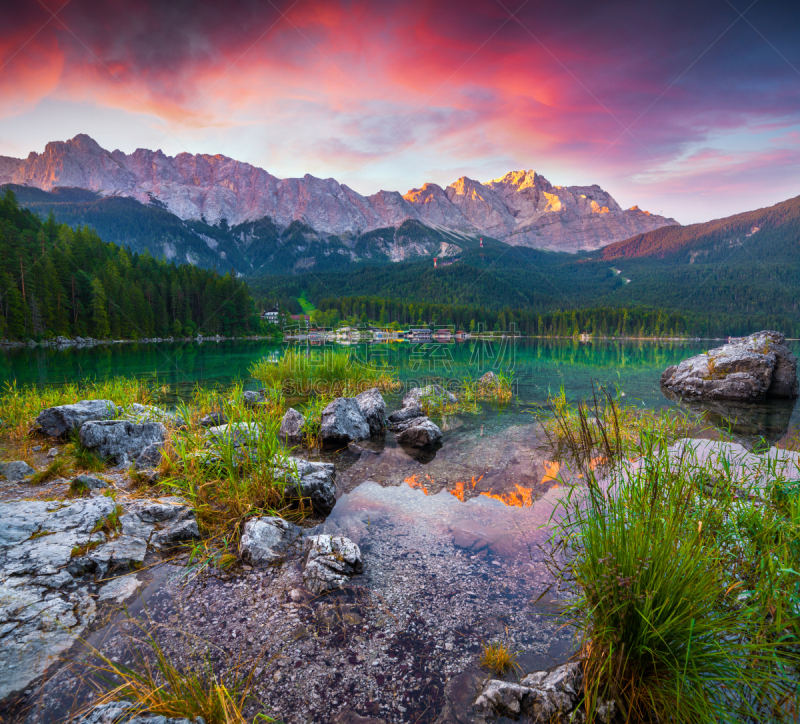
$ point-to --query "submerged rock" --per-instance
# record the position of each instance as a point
(747, 369)
(119, 439)
(16, 470)
(291, 431)
(268, 540)
(373, 408)
(343, 422)
(435, 393)
(330, 562)
(59, 421)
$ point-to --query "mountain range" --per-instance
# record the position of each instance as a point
(521, 208)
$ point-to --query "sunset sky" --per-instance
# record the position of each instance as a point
(690, 109)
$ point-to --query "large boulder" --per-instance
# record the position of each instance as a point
(269, 540)
(291, 431)
(407, 413)
(59, 421)
(343, 422)
(330, 562)
(746, 369)
(373, 408)
(150, 457)
(150, 413)
(419, 432)
(312, 481)
(121, 440)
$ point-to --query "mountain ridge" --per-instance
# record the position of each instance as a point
(521, 208)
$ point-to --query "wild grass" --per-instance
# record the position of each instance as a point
(602, 430)
(21, 405)
(58, 467)
(335, 373)
(155, 683)
(685, 578)
(81, 458)
(231, 476)
(499, 658)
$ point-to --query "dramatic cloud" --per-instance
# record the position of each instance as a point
(662, 104)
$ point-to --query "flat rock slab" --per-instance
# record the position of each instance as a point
(46, 550)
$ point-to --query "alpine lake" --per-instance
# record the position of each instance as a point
(454, 541)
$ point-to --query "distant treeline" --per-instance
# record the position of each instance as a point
(58, 281)
(603, 321)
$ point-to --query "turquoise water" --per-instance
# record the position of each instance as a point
(540, 366)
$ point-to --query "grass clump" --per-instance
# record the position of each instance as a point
(84, 548)
(498, 658)
(231, 476)
(334, 373)
(58, 467)
(156, 684)
(21, 405)
(684, 578)
(110, 524)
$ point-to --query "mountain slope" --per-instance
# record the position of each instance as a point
(252, 247)
(729, 278)
(522, 206)
(704, 241)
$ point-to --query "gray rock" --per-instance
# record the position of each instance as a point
(252, 399)
(373, 408)
(420, 433)
(235, 433)
(16, 470)
(342, 422)
(150, 457)
(59, 421)
(551, 696)
(52, 452)
(747, 369)
(488, 379)
(268, 540)
(434, 393)
(123, 712)
(150, 413)
(214, 419)
(120, 439)
(88, 481)
(407, 413)
(291, 431)
(330, 562)
(313, 481)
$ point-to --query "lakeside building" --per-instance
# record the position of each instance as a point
(272, 315)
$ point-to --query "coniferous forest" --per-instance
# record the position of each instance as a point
(55, 280)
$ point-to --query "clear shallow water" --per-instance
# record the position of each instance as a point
(540, 366)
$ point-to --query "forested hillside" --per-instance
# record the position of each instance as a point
(728, 277)
(58, 281)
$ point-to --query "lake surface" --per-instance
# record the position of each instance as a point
(540, 367)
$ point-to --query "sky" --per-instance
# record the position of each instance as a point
(688, 109)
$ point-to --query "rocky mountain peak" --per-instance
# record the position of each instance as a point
(522, 207)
